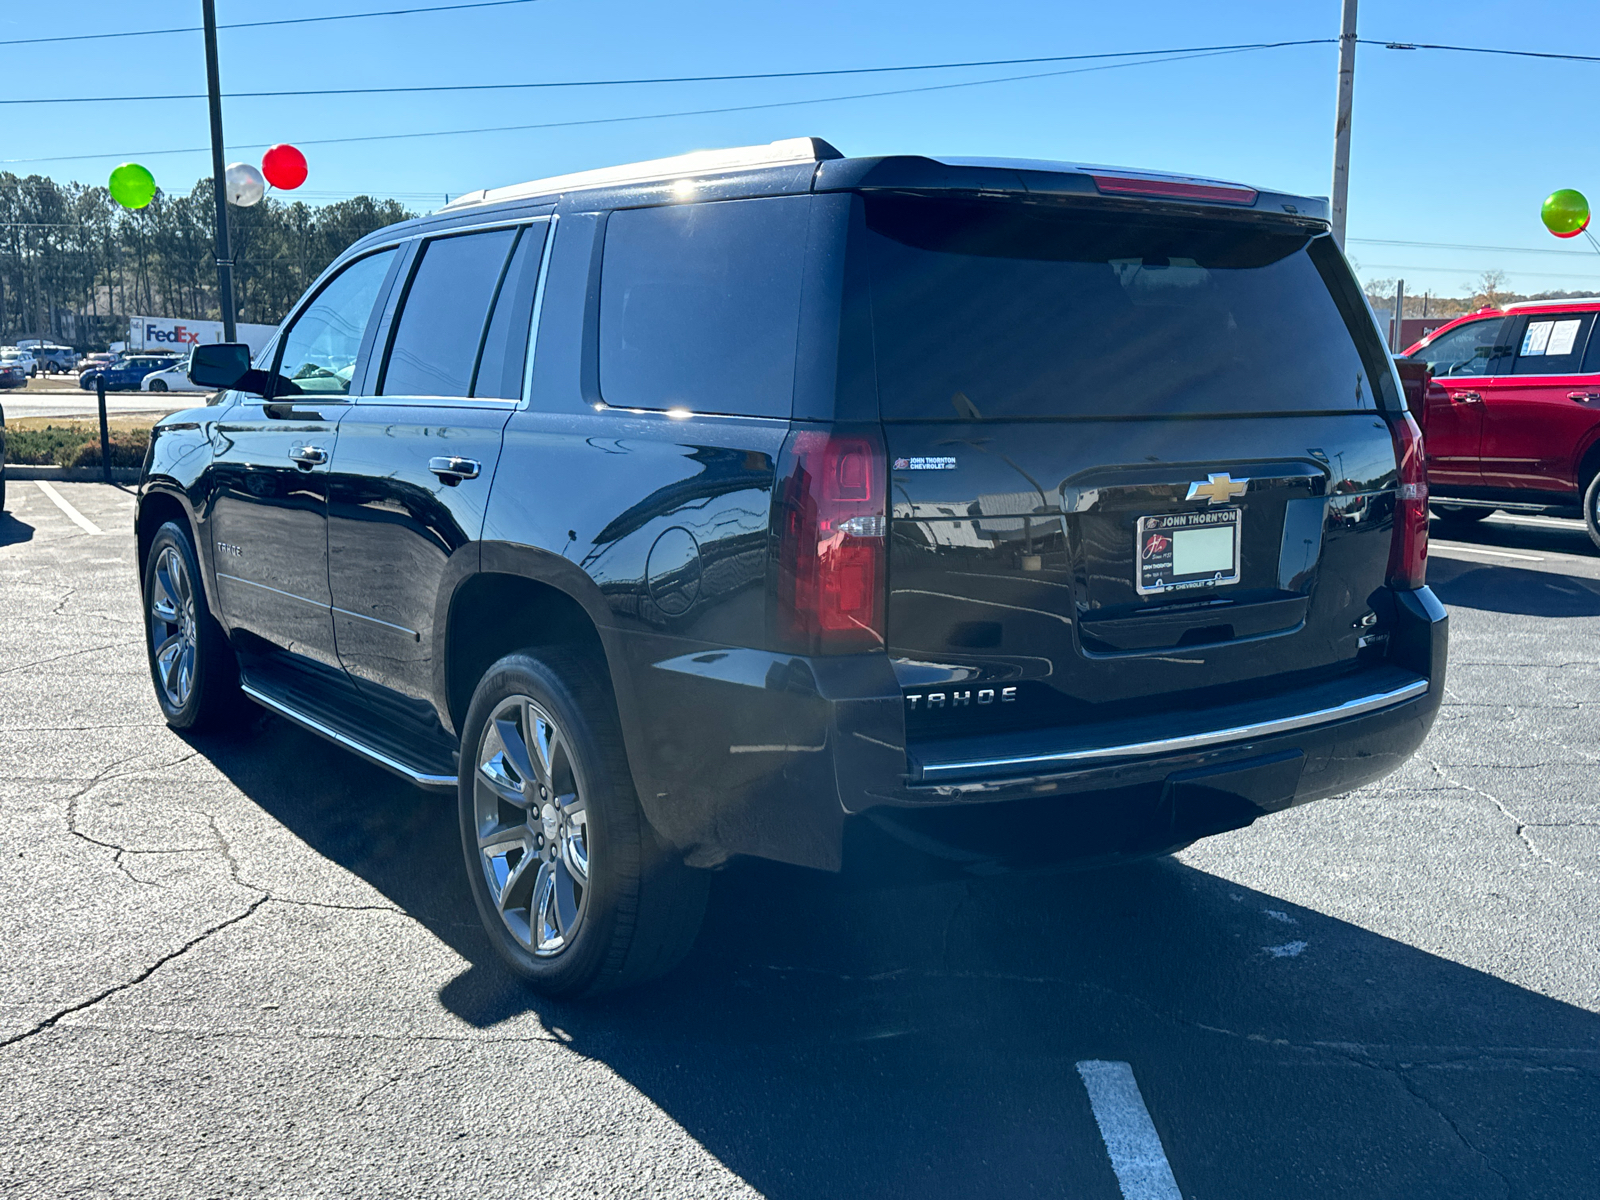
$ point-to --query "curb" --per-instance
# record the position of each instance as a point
(69, 474)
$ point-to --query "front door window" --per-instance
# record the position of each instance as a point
(321, 347)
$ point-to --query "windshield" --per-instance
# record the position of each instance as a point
(987, 311)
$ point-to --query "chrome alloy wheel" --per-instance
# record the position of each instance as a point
(174, 636)
(532, 826)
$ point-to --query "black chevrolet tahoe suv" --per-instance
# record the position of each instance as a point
(716, 505)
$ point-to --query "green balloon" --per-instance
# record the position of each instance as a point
(132, 186)
(1565, 213)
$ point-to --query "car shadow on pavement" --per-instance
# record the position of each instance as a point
(13, 531)
(840, 1036)
(1513, 590)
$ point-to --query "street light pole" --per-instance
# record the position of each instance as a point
(219, 179)
(1341, 125)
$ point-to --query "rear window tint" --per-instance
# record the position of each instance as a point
(700, 306)
(985, 311)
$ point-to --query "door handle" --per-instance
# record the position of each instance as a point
(1583, 397)
(453, 470)
(307, 457)
(1466, 397)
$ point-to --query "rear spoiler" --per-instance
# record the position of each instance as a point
(1047, 180)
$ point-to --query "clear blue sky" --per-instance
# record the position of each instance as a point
(1448, 148)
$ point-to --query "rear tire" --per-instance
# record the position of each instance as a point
(1459, 515)
(192, 666)
(577, 892)
(158, 385)
(1591, 510)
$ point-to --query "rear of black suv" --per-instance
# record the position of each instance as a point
(1100, 509)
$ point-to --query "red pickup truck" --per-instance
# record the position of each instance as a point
(1509, 404)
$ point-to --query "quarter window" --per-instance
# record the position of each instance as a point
(439, 332)
(321, 347)
(700, 306)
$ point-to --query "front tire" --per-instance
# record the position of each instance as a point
(578, 894)
(193, 668)
(158, 385)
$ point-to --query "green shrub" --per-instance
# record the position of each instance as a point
(74, 445)
(127, 450)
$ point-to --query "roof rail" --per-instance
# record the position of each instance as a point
(1585, 299)
(699, 162)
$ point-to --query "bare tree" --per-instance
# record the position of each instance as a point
(1492, 288)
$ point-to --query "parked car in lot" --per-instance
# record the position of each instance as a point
(171, 379)
(1511, 416)
(11, 356)
(2, 458)
(128, 373)
(55, 360)
(717, 505)
(13, 374)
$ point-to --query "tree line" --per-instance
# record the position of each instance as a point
(74, 265)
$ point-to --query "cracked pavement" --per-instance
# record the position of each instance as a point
(249, 965)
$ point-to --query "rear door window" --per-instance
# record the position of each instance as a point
(987, 311)
(1553, 345)
(440, 330)
(700, 306)
(505, 347)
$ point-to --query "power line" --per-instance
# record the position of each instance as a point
(754, 75)
(1478, 50)
(692, 112)
(1471, 246)
(388, 12)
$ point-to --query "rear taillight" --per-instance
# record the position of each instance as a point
(830, 520)
(1408, 552)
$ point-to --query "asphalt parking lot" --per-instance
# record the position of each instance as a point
(249, 966)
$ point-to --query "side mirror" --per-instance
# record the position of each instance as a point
(219, 364)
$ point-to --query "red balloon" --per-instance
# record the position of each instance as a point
(284, 167)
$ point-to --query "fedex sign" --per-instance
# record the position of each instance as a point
(178, 334)
(182, 335)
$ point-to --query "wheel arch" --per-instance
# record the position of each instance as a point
(1589, 462)
(519, 598)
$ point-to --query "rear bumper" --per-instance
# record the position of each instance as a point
(756, 753)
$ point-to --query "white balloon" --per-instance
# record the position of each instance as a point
(245, 185)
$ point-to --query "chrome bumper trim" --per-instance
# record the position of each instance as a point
(1359, 707)
(432, 782)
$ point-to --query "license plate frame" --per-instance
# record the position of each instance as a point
(1155, 550)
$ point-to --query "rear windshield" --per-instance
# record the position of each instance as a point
(984, 311)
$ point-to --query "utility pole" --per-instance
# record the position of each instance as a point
(219, 178)
(1341, 124)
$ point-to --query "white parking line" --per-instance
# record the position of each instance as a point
(60, 501)
(1481, 550)
(1130, 1136)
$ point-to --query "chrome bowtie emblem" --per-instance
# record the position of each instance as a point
(1218, 489)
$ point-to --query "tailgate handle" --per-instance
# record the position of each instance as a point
(453, 470)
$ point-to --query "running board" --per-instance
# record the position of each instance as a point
(420, 776)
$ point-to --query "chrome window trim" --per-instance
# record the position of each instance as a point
(1360, 706)
(538, 309)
